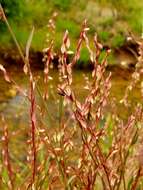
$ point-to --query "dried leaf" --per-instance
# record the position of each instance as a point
(25, 68)
(6, 77)
(29, 44)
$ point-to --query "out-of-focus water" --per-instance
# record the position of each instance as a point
(15, 106)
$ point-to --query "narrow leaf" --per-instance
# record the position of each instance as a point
(29, 43)
(26, 66)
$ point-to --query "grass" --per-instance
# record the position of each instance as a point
(63, 5)
(69, 25)
(118, 41)
(128, 14)
(104, 36)
(86, 147)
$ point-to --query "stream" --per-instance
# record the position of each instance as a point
(15, 106)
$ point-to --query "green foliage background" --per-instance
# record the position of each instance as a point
(23, 14)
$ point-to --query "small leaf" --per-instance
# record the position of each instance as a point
(25, 68)
(6, 77)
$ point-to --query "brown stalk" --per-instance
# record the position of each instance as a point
(33, 126)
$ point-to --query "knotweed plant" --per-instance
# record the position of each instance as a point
(85, 147)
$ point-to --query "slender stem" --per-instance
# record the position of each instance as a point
(6, 155)
(33, 129)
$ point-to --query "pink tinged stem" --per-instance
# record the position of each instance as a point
(33, 126)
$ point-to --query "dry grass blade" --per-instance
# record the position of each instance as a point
(26, 65)
(6, 76)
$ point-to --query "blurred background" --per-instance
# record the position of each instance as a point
(112, 20)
